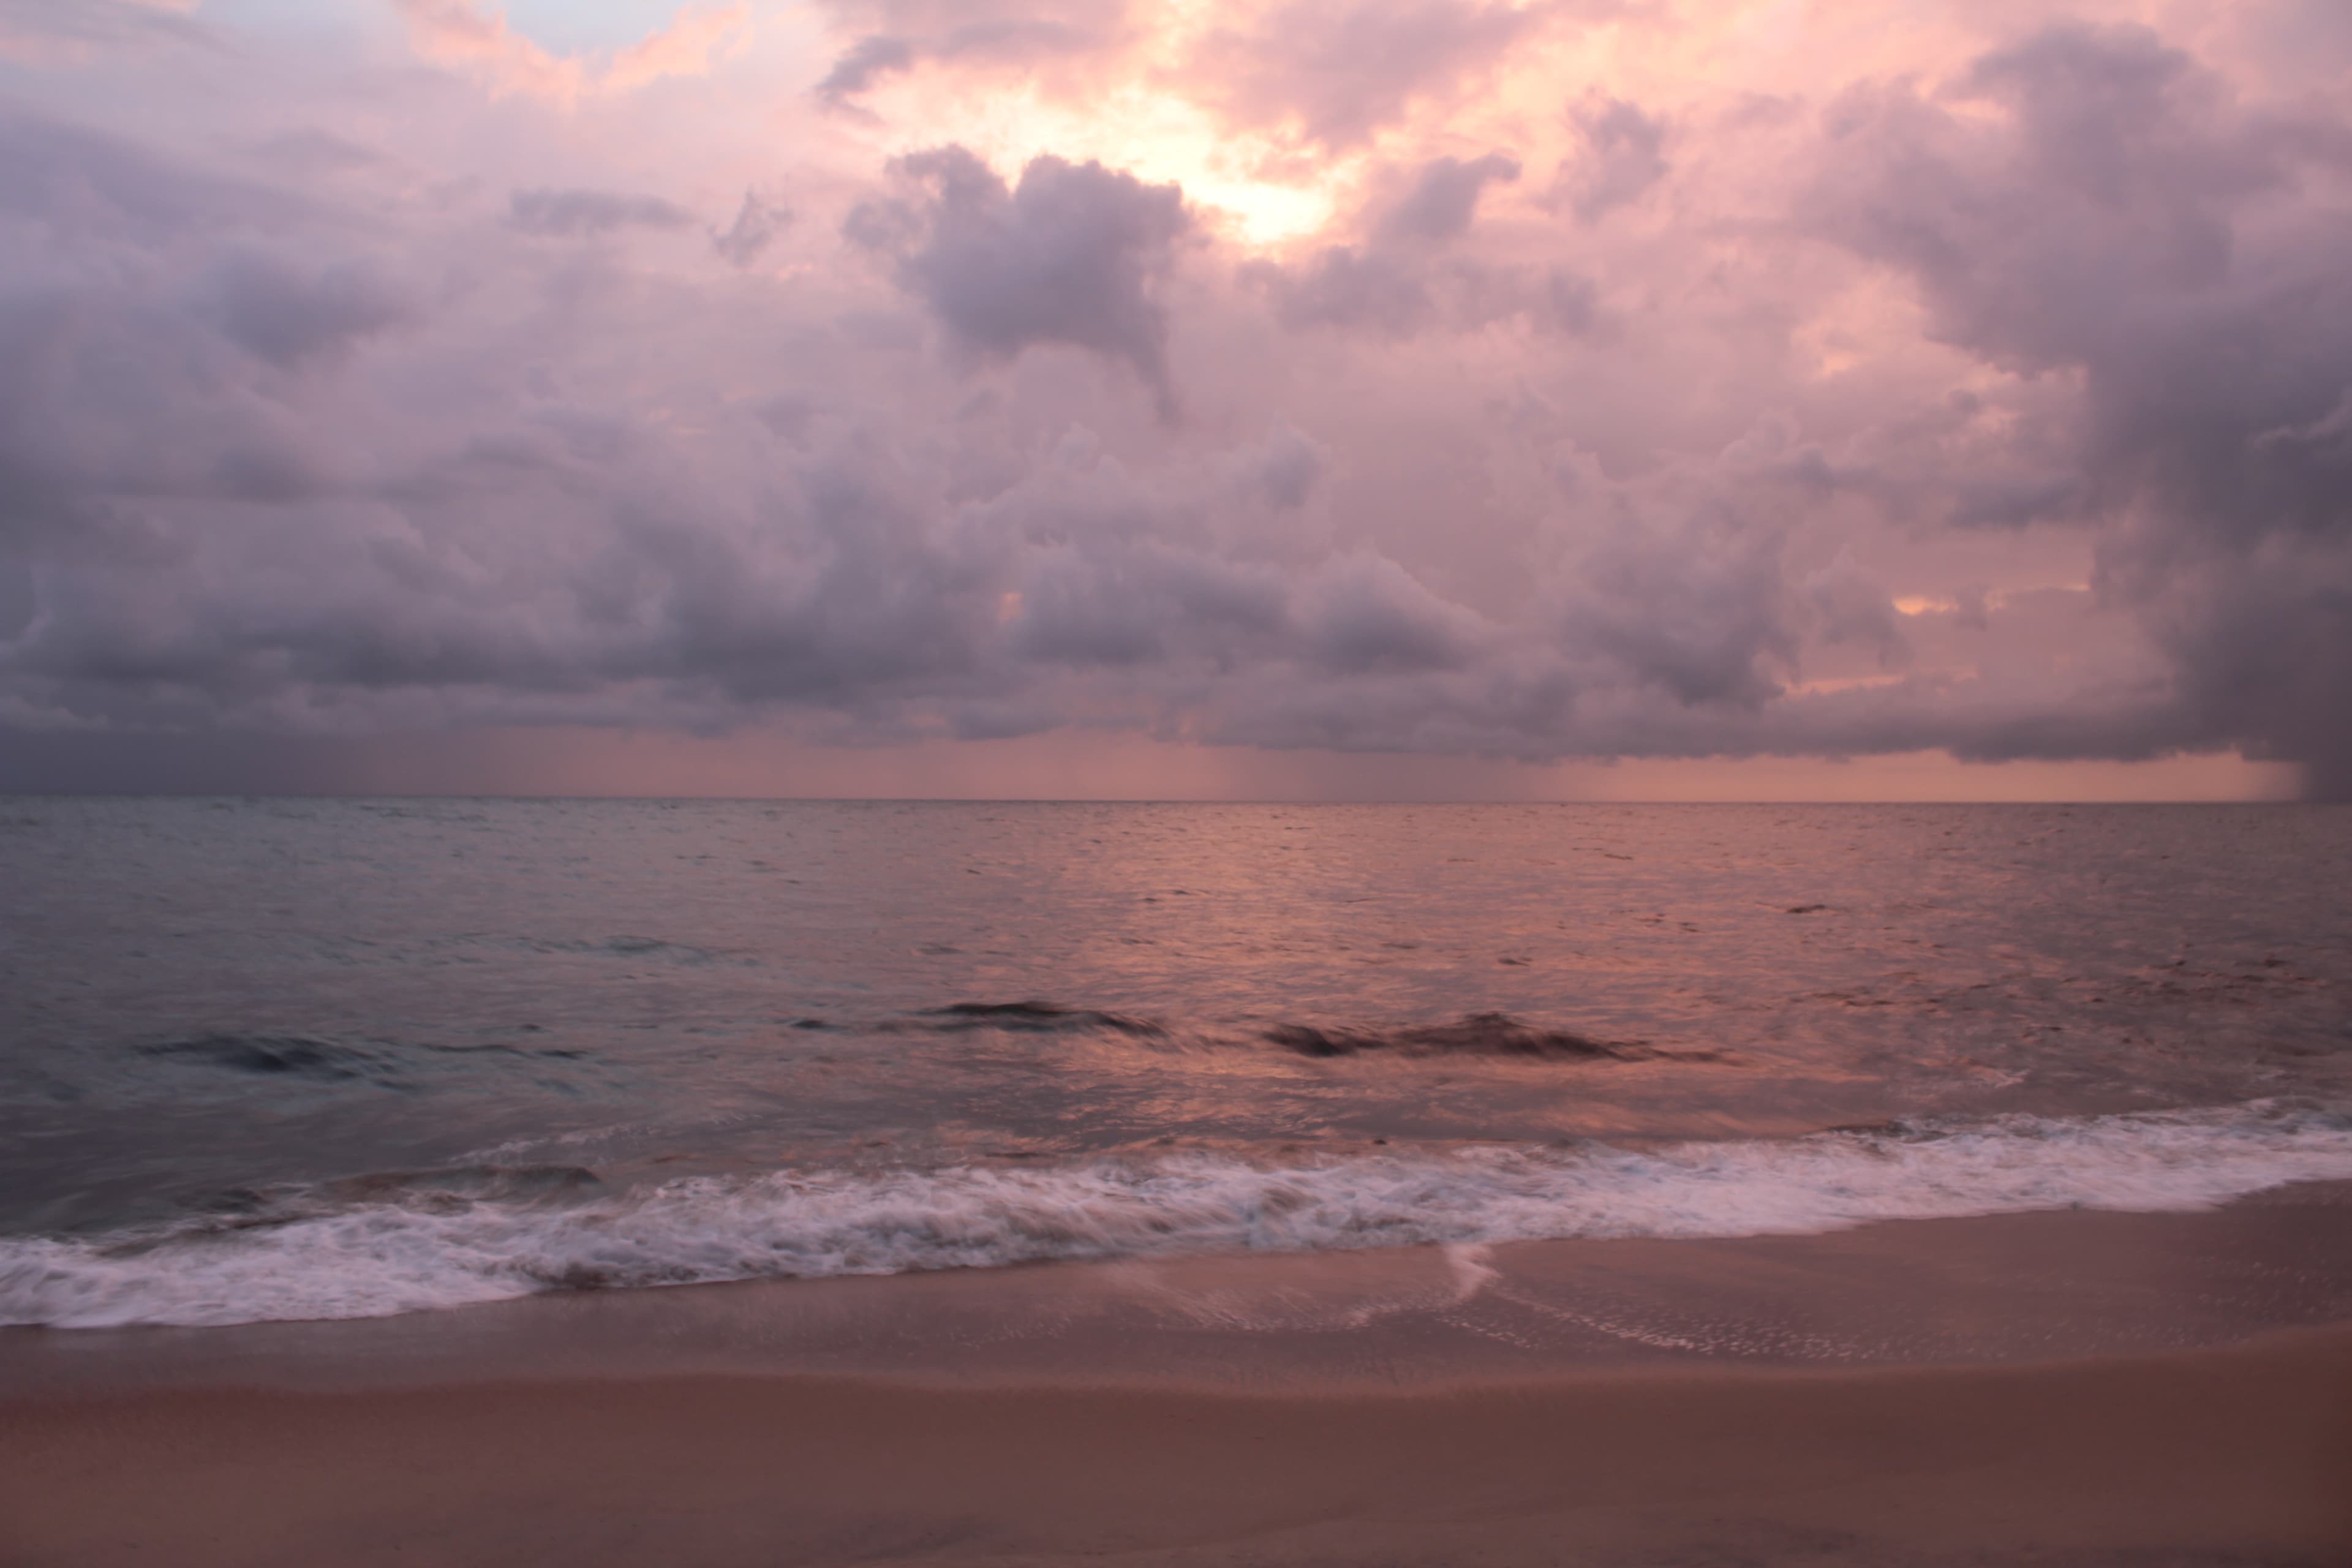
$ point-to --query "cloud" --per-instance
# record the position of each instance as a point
(695, 40)
(460, 32)
(309, 150)
(75, 30)
(1851, 605)
(1623, 155)
(1444, 198)
(758, 222)
(1071, 255)
(867, 61)
(1396, 283)
(1352, 288)
(1699, 612)
(2118, 215)
(1285, 468)
(568, 214)
(515, 547)
(2001, 409)
(1332, 73)
(89, 183)
(291, 316)
(454, 33)
(1365, 614)
(992, 37)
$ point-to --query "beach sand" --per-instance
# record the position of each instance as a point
(2100, 1389)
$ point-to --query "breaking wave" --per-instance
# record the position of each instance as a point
(373, 1247)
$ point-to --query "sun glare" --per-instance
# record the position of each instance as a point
(1153, 134)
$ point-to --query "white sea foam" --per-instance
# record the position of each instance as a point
(427, 1251)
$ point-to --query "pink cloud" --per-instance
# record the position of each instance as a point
(461, 34)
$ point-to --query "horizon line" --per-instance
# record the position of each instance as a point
(554, 798)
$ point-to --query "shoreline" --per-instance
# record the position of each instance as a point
(2048, 1285)
(2081, 1389)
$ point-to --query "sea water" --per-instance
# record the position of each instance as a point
(293, 1058)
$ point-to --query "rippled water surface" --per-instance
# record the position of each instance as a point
(235, 1024)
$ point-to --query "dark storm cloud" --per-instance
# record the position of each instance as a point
(1071, 254)
(111, 395)
(1851, 605)
(1365, 614)
(850, 590)
(1701, 613)
(289, 315)
(831, 596)
(220, 763)
(2126, 218)
(1124, 601)
(1117, 574)
(92, 182)
(571, 212)
(1183, 621)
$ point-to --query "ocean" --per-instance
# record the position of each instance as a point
(280, 1060)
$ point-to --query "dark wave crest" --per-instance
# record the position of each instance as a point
(295, 1056)
(1475, 1035)
(1038, 1017)
(320, 1060)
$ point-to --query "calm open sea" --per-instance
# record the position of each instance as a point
(275, 1059)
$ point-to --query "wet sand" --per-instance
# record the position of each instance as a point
(2071, 1389)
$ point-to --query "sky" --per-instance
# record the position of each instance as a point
(1510, 399)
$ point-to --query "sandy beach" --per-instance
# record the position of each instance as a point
(2236, 1457)
(765, 1424)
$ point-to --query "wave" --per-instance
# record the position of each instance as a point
(412, 1243)
(1476, 1035)
(1037, 1017)
(1496, 1035)
(292, 1055)
(303, 1057)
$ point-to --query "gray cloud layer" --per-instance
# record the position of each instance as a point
(1406, 276)
(2129, 223)
(317, 446)
(567, 212)
(1069, 256)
